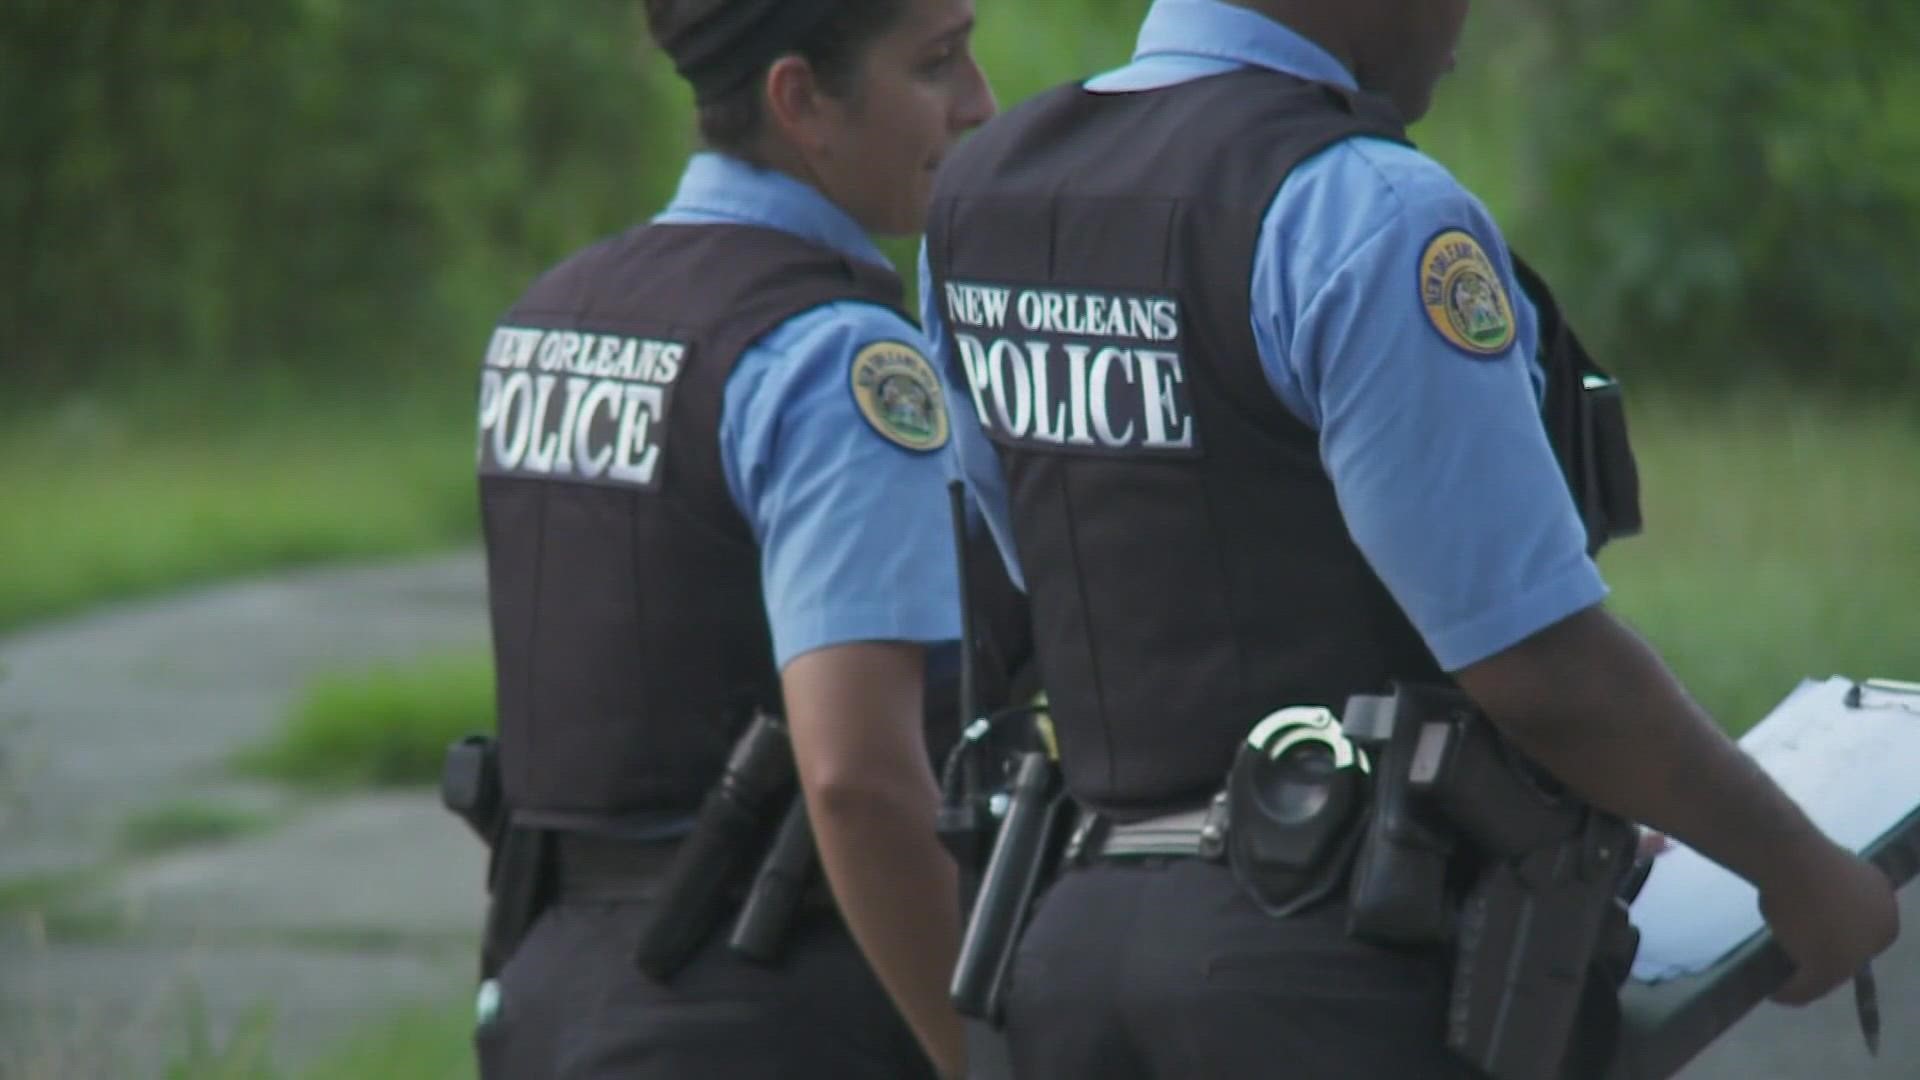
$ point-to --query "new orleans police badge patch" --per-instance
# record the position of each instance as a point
(1461, 291)
(899, 395)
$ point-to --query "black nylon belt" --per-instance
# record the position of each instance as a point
(601, 868)
(604, 869)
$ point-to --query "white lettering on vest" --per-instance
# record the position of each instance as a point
(1157, 401)
(1091, 371)
(1102, 422)
(633, 456)
(597, 412)
(1003, 355)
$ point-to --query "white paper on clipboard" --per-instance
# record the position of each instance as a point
(1855, 769)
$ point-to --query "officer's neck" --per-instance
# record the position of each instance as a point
(774, 154)
(780, 156)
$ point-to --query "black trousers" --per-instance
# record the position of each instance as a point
(1163, 968)
(574, 1007)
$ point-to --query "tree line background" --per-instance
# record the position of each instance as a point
(338, 190)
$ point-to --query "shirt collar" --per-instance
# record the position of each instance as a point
(721, 189)
(1222, 31)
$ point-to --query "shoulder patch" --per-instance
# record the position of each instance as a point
(899, 395)
(1465, 301)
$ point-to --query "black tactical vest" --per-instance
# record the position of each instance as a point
(630, 637)
(1188, 565)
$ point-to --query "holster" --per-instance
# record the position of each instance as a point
(1026, 855)
(519, 861)
(1532, 998)
(976, 784)
(519, 887)
(730, 835)
(470, 786)
(1402, 890)
(1540, 935)
(780, 889)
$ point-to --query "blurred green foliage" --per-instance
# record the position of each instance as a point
(199, 189)
(209, 187)
(1730, 188)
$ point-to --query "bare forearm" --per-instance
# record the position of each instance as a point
(897, 888)
(1596, 707)
(854, 711)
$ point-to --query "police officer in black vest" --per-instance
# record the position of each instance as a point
(711, 491)
(1253, 399)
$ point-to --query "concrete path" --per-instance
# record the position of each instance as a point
(341, 911)
(351, 907)
(1822, 1041)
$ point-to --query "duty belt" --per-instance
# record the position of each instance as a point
(601, 869)
(1187, 834)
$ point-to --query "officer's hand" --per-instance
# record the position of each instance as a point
(1831, 912)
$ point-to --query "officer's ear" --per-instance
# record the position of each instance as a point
(798, 107)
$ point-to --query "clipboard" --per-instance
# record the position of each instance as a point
(1666, 1024)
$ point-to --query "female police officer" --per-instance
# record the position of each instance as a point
(710, 488)
(1245, 382)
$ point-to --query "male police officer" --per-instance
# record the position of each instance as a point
(1247, 391)
(710, 489)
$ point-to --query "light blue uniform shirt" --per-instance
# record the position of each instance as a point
(1441, 464)
(855, 536)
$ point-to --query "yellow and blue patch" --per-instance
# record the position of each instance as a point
(1461, 290)
(899, 395)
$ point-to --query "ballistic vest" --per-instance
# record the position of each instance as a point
(1187, 563)
(630, 637)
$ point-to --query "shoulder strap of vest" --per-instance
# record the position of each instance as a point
(1374, 114)
(1318, 116)
(763, 277)
(726, 287)
(780, 275)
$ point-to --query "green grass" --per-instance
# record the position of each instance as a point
(1783, 540)
(36, 895)
(188, 823)
(419, 1043)
(108, 500)
(382, 728)
(245, 1054)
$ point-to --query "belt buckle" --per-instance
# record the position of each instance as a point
(1213, 830)
(1082, 845)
